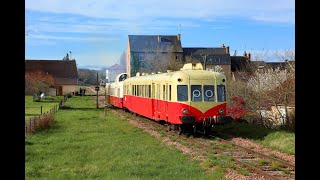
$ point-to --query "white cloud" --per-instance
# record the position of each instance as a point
(197, 9)
(48, 37)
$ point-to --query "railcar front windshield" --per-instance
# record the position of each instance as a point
(221, 93)
(196, 93)
(182, 92)
(208, 92)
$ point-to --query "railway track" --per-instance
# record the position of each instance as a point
(265, 165)
(261, 164)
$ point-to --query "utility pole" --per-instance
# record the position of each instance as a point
(97, 89)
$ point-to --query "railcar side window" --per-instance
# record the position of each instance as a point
(164, 93)
(208, 92)
(221, 93)
(169, 92)
(158, 91)
(196, 93)
(153, 91)
(182, 93)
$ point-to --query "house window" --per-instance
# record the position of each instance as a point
(141, 57)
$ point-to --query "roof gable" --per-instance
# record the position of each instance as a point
(152, 43)
(64, 72)
(214, 56)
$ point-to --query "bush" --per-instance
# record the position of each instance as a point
(237, 111)
(38, 81)
(36, 98)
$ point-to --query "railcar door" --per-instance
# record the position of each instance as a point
(158, 102)
(166, 99)
(153, 96)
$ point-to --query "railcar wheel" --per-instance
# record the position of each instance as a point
(169, 127)
(194, 130)
(206, 131)
(181, 129)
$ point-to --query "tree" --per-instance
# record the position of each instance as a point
(122, 60)
(87, 76)
(263, 89)
(38, 81)
(66, 58)
(160, 60)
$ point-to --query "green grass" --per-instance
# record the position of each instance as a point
(85, 144)
(262, 162)
(33, 108)
(219, 164)
(281, 140)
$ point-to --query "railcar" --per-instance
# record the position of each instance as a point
(191, 98)
(114, 91)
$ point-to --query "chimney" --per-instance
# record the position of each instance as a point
(228, 50)
(245, 54)
(223, 45)
(249, 56)
(159, 39)
(179, 37)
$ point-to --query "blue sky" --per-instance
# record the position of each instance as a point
(96, 32)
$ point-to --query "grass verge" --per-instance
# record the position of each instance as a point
(34, 108)
(85, 144)
(281, 140)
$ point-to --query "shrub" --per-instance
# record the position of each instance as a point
(238, 110)
(38, 81)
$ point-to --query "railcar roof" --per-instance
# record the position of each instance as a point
(183, 74)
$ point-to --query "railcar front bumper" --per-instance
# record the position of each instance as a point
(188, 120)
(224, 119)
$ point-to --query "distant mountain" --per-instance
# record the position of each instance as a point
(93, 67)
(99, 69)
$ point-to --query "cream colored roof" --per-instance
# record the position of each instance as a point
(183, 74)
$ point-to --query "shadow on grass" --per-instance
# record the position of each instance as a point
(32, 115)
(84, 109)
(243, 130)
(52, 129)
(48, 102)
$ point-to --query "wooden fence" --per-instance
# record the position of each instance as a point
(44, 119)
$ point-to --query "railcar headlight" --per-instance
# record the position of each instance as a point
(221, 111)
(185, 111)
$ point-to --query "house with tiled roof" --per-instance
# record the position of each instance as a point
(143, 48)
(113, 71)
(64, 72)
(209, 57)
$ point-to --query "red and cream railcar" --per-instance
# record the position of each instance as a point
(189, 97)
(114, 91)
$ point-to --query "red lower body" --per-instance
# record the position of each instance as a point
(116, 101)
(168, 111)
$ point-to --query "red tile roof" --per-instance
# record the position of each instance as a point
(64, 72)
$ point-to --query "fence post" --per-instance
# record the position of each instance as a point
(30, 120)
